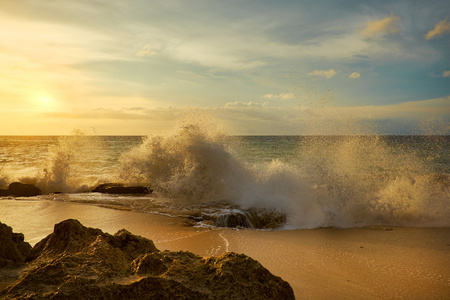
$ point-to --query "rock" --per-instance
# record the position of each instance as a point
(233, 220)
(259, 218)
(75, 262)
(3, 193)
(118, 188)
(69, 236)
(13, 249)
(263, 218)
(19, 189)
(230, 276)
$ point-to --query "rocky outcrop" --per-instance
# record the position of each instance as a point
(118, 188)
(13, 249)
(259, 218)
(234, 220)
(76, 262)
(19, 189)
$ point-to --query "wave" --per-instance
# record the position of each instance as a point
(341, 182)
(195, 170)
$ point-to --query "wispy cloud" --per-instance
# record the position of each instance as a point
(171, 53)
(147, 50)
(283, 96)
(238, 104)
(355, 75)
(323, 73)
(388, 24)
(440, 28)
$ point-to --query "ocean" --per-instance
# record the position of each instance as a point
(262, 182)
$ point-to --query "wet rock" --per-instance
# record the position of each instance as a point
(19, 189)
(13, 249)
(118, 188)
(263, 218)
(259, 218)
(234, 220)
(75, 262)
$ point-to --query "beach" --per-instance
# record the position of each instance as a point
(376, 262)
(202, 150)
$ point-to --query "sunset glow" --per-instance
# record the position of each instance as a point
(135, 68)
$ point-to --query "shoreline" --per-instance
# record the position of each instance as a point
(364, 263)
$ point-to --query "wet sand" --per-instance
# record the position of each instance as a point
(369, 263)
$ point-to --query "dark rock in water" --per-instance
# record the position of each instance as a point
(263, 218)
(259, 218)
(118, 188)
(23, 190)
(13, 249)
(233, 220)
(75, 262)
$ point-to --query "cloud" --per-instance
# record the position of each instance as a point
(323, 73)
(440, 28)
(387, 25)
(147, 50)
(238, 104)
(283, 96)
(445, 73)
(354, 75)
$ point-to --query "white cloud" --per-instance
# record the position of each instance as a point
(238, 104)
(387, 24)
(147, 50)
(440, 28)
(354, 75)
(323, 73)
(283, 96)
(446, 73)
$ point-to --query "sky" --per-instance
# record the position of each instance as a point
(255, 67)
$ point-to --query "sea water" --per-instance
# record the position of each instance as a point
(267, 182)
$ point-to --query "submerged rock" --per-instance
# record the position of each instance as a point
(234, 220)
(76, 262)
(259, 218)
(19, 189)
(267, 218)
(13, 249)
(118, 188)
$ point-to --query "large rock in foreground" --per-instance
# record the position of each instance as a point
(13, 249)
(75, 262)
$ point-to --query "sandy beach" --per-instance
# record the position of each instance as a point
(365, 263)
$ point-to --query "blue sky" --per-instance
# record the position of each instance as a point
(255, 67)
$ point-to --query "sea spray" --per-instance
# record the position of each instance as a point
(340, 181)
(68, 167)
(190, 164)
(4, 179)
(361, 180)
(194, 165)
(271, 182)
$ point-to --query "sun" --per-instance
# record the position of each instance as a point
(44, 100)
